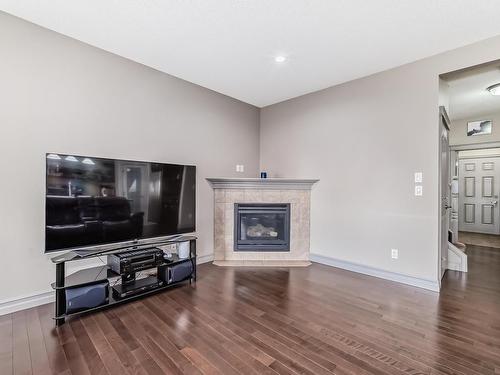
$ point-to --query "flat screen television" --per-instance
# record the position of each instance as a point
(92, 201)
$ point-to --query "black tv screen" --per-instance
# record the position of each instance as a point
(93, 201)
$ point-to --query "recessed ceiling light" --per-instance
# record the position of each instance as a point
(280, 59)
(494, 89)
(53, 156)
(88, 161)
(70, 158)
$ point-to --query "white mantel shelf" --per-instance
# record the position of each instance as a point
(262, 183)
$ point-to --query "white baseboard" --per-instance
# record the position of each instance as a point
(204, 258)
(23, 303)
(371, 271)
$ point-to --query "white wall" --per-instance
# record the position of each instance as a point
(364, 140)
(458, 133)
(60, 95)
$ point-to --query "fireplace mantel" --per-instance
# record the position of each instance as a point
(231, 191)
(262, 183)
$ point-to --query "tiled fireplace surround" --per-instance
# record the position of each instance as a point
(228, 191)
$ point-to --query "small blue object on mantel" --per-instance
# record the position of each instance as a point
(263, 174)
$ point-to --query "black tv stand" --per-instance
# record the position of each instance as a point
(130, 288)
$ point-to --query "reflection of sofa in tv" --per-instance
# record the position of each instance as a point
(81, 221)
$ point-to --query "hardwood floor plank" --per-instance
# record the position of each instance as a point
(39, 358)
(106, 354)
(218, 357)
(55, 352)
(75, 358)
(245, 344)
(21, 355)
(280, 368)
(145, 360)
(229, 341)
(324, 319)
(242, 321)
(123, 319)
(159, 353)
(88, 350)
(314, 320)
(169, 348)
(120, 349)
(236, 342)
(199, 361)
(6, 349)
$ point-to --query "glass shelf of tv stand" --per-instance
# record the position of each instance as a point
(93, 275)
(116, 301)
(74, 256)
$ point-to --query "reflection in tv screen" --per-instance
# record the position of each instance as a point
(93, 201)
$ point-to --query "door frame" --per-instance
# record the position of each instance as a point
(443, 118)
(474, 146)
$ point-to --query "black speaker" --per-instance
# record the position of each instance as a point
(87, 296)
(177, 272)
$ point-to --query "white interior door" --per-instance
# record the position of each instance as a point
(479, 188)
(444, 191)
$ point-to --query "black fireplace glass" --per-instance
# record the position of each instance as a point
(262, 227)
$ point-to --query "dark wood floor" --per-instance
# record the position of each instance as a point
(479, 239)
(315, 320)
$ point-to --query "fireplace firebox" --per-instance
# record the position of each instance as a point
(262, 227)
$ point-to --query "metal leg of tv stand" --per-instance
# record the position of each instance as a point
(192, 245)
(60, 303)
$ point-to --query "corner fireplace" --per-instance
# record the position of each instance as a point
(262, 227)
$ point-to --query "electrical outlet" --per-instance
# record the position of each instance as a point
(240, 168)
(418, 190)
(394, 253)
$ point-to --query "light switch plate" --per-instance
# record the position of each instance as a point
(418, 190)
(394, 253)
(418, 176)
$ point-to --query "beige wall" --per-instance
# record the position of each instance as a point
(364, 140)
(458, 133)
(61, 95)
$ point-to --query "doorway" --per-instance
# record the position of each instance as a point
(444, 190)
(469, 193)
(474, 162)
(478, 172)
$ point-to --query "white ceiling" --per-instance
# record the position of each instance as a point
(468, 97)
(229, 45)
